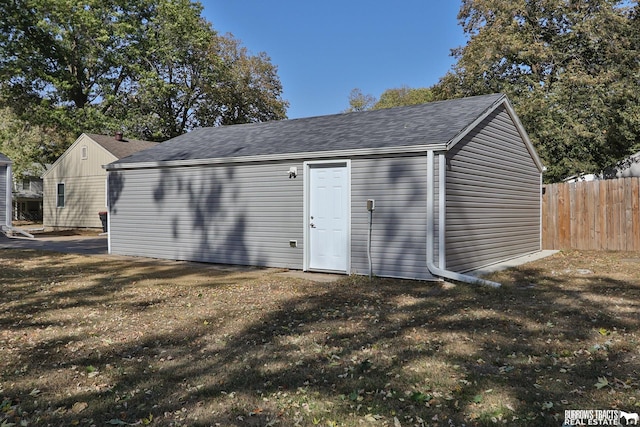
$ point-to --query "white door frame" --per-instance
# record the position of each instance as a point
(307, 194)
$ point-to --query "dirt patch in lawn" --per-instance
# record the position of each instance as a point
(114, 341)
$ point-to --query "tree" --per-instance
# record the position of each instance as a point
(64, 55)
(28, 146)
(168, 82)
(571, 68)
(358, 101)
(152, 68)
(248, 91)
(189, 76)
(390, 98)
(403, 96)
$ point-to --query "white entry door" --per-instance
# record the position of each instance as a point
(328, 222)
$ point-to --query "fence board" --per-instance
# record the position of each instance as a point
(601, 215)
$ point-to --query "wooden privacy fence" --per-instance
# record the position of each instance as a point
(601, 215)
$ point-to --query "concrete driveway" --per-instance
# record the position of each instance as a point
(87, 245)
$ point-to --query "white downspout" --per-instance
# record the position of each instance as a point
(108, 203)
(433, 269)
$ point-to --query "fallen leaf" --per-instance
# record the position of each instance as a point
(79, 407)
(602, 382)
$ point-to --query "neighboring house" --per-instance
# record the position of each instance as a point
(75, 185)
(629, 167)
(456, 186)
(5, 193)
(626, 168)
(582, 177)
(27, 197)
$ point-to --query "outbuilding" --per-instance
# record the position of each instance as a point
(5, 193)
(419, 192)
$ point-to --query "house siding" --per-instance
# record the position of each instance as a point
(493, 196)
(85, 192)
(247, 214)
(398, 239)
(231, 214)
(84, 198)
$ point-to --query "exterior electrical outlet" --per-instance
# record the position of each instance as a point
(293, 243)
(371, 205)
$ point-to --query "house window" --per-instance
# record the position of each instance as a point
(84, 152)
(60, 195)
(26, 184)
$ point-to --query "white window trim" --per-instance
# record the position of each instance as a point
(64, 195)
(84, 152)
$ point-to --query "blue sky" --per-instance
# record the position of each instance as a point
(324, 49)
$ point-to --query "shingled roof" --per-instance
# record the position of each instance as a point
(419, 125)
(122, 148)
(4, 159)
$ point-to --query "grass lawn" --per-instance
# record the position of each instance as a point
(113, 341)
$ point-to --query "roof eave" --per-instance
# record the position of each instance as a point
(279, 157)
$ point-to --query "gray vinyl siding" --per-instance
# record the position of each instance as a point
(231, 214)
(248, 213)
(398, 185)
(493, 196)
(3, 195)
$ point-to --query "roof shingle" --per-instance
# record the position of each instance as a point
(123, 148)
(432, 123)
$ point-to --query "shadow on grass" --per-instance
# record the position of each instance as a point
(262, 350)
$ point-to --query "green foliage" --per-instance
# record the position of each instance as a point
(358, 101)
(30, 147)
(390, 98)
(151, 68)
(403, 96)
(570, 68)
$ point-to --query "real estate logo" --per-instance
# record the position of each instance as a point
(598, 417)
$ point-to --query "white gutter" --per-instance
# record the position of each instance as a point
(316, 155)
(433, 269)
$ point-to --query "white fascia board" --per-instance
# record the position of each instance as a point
(525, 137)
(512, 113)
(275, 157)
(65, 154)
(82, 137)
(475, 123)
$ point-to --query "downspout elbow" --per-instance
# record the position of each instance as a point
(438, 272)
